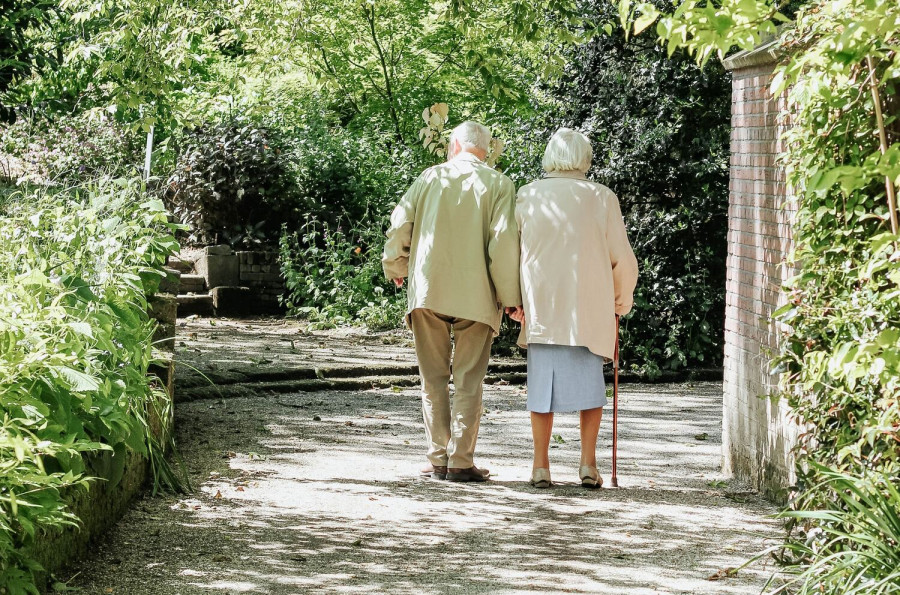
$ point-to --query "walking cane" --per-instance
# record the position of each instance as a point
(615, 480)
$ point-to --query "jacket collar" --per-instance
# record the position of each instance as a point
(573, 174)
(466, 156)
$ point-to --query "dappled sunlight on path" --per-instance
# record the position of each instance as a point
(319, 492)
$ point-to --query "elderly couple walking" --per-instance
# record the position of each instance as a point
(556, 258)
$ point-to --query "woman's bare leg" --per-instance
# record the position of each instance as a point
(541, 428)
(590, 427)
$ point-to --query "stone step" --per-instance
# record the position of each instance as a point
(200, 304)
(171, 283)
(193, 284)
(182, 266)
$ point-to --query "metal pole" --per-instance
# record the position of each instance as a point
(615, 479)
(148, 154)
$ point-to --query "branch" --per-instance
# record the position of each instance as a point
(369, 12)
(882, 138)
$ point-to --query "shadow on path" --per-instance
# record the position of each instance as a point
(319, 493)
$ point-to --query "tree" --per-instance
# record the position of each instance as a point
(21, 50)
(383, 61)
(140, 58)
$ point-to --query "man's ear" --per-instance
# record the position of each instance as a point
(453, 149)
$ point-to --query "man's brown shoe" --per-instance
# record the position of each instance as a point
(435, 471)
(473, 473)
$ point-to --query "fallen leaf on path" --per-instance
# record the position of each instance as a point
(218, 495)
(723, 573)
(702, 436)
(240, 489)
(358, 542)
(349, 423)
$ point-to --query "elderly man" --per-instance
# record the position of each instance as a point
(454, 235)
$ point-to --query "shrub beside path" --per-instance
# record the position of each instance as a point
(318, 492)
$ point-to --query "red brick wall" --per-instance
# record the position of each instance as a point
(757, 435)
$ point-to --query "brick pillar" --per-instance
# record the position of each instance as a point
(756, 435)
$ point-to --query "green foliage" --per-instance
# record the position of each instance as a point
(332, 279)
(139, 58)
(840, 352)
(75, 346)
(704, 28)
(382, 62)
(232, 183)
(21, 50)
(853, 542)
(68, 149)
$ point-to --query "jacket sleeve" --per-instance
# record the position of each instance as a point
(395, 259)
(503, 247)
(624, 263)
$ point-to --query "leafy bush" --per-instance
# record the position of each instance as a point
(68, 149)
(232, 183)
(333, 280)
(75, 346)
(840, 353)
(240, 181)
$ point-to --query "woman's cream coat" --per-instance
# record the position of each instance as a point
(577, 267)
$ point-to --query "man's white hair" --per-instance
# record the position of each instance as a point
(568, 150)
(472, 135)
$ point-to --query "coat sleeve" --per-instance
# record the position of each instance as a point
(395, 259)
(503, 247)
(624, 263)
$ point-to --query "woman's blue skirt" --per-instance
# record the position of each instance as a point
(563, 378)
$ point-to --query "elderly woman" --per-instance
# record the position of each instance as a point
(577, 273)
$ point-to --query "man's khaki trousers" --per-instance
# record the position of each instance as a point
(451, 432)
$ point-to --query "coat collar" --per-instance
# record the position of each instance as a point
(573, 174)
(466, 156)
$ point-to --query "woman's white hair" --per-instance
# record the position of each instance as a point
(472, 135)
(568, 150)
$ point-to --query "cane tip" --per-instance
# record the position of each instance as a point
(614, 482)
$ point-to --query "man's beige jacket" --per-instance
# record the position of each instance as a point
(578, 269)
(453, 234)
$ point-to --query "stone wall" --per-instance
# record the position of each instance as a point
(757, 435)
(261, 272)
(241, 283)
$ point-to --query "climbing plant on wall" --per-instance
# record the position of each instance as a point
(840, 352)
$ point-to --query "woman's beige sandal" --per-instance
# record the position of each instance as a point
(590, 477)
(540, 478)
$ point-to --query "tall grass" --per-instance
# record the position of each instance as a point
(852, 547)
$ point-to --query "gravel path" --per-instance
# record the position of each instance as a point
(319, 493)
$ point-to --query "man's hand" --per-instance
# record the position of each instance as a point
(398, 281)
(517, 313)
